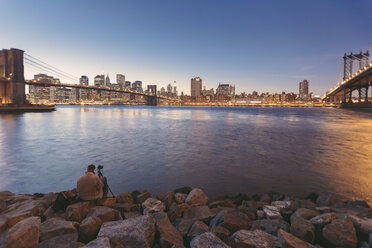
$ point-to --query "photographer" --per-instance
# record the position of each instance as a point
(90, 186)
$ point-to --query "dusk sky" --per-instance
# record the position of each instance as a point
(267, 46)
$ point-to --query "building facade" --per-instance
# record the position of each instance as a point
(304, 90)
(196, 87)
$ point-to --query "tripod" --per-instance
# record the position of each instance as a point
(100, 175)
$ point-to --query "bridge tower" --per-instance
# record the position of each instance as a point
(12, 81)
(152, 100)
(363, 59)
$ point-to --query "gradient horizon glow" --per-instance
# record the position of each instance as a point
(267, 46)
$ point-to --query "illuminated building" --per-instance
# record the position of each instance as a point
(196, 87)
(120, 80)
(99, 80)
(304, 90)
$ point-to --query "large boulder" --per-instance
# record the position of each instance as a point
(134, 232)
(183, 225)
(196, 229)
(167, 197)
(196, 197)
(321, 220)
(180, 198)
(125, 197)
(168, 234)
(272, 212)
(108, 201)
(152, 205)
(56, 227)
(340, 233)
(24, 234)
(62, 241)
(231, 219)
(362, 225)
(21, 208)
(256, 238)
(105, 213)
(207, 240)
(78, 211)
(202, 213)
(303, 229)
(304, 213)
(99, 243)
(221, 232)
(184, 190)
(89, 228)
(270, 226)
(287, 240)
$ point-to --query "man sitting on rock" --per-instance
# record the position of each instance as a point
(90, 187)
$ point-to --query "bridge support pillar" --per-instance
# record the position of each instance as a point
(366, 96)
(12, 80)
(350, 95)
(152, 100)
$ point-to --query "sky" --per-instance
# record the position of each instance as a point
(267, 46)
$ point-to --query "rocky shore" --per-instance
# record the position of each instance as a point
(184, 217)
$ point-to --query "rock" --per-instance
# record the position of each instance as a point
(125, 197)
(304, 213)
(99, 243)
(5, 195)
(55, 227)
(24, 234)
(196, 198)
(152, 205)
(312, 197)
(177, 211)
(183, 225)
(207, 240)
(49, 213)
(131, 215)
(282, 204)
(341, 233)
(260, 214)
(239, 198)
(134, 232)
(3, 224)
(362, 225)
(256, 238)
(61, 241)
(321, 220)
(183, 190)
(49, 199)
(303, 229)
(108, 202)
(143, 197)
(270, 226)
(272, 212)
(122, 207)
(202, 213)
(180, 198)
(370, 239)
(166, 197)
(196, 229)
(254, 206)
(78, 211)
(89, 228)
(104, 213)
(168, 234)
(228, 203)
(221, 232)
(287, 240)
(326, 200)
(231, 219)
(21, 207)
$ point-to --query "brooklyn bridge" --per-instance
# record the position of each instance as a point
(13, 83)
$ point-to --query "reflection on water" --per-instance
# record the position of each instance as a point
(223, 150)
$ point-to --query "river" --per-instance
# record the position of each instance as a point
(223, 150)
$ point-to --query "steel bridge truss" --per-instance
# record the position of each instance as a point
(363, 59)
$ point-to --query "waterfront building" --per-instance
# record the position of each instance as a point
(107, 82)
(99, 80)
(128, 84)
(162, 91)
(226, 90)
(175, 94)
(43, 95)
(169, 90)
(83, 93)
(304, 90)
(84, 80)
(137, 86)
(120, 80)
(196, 87)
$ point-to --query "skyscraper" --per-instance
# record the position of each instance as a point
(84, 80)
(175, 94)
(107, 81)
(196, 87)
(99, 80)
(120, 80)
(304, 90)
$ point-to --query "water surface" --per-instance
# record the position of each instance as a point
(223, 150)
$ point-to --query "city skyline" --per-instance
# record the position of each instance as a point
(158, 43)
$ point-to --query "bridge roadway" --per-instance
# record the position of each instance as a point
(360, 81)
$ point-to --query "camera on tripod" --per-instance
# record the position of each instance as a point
(100, 170)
